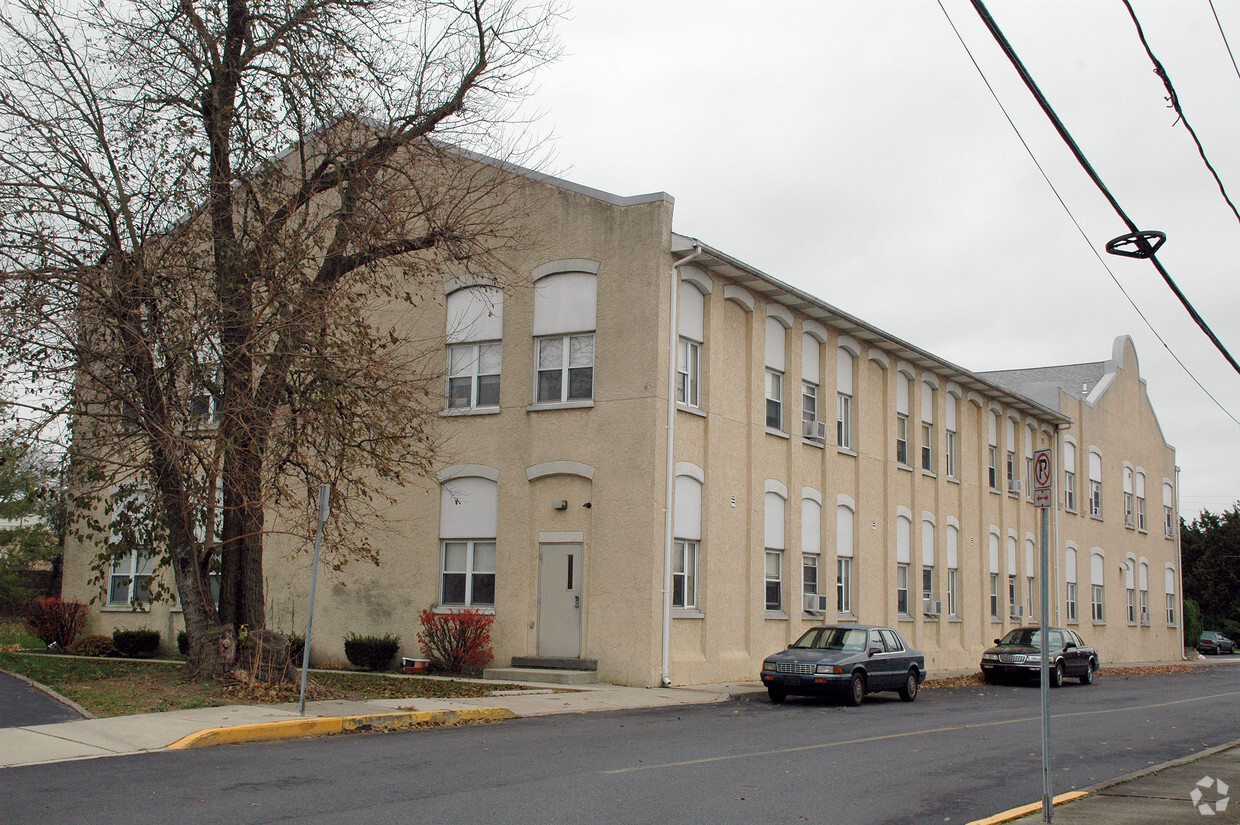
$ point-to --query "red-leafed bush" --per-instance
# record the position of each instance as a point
(457, 642)
(57, 622)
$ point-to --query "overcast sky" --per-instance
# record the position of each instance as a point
(851, 149)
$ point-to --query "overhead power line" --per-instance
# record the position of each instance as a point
(1015, 60)
(1223, 34)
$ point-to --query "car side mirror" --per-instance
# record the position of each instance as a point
(996, 641)
(1069, 646)
(874, 650)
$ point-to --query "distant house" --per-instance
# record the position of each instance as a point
(647, 471)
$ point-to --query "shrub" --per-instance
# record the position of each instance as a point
(55, 621)
(93, 646)
(183, 643)
(371, 652)
(458, 642)
(297, 648)
(135, 643)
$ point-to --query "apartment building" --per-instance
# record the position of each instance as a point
(666, 464)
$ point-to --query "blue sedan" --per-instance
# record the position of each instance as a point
(848, 660)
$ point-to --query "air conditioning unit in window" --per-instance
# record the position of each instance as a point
(1145, 617)
(1128, 520)
(1014, 485)
(932, 608)
(815, 603)
(1017, 611)
(814, 430)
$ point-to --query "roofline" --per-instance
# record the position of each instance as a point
(773, 289)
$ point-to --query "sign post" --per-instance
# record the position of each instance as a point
(1043, 474)
(325, 492)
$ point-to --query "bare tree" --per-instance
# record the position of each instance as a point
(210, 216)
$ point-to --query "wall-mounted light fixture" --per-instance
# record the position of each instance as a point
(561, 505)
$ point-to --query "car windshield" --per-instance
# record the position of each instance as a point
(832, 638)
(1027, 636)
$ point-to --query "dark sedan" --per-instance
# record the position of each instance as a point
(851, 660)
(1019, 653)
(1212, 641)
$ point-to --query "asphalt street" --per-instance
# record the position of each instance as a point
(21, 705)
(952, 756)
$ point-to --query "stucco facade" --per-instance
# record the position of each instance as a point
(557, 506)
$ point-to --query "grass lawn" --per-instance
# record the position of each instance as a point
(117, 687)
(14, 635)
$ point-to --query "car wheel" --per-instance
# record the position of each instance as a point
(1057, 674)
(909, 692)
(778, 695)
(856, 689)
(1087, 678)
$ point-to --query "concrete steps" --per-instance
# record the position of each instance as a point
(552, 670)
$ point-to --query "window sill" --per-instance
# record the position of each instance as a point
(904, 617)
(448, 609)
(956, 619)
(1096, 518)
(930, 617)
(928, 473)
(813, 442)
(775, 614)
(995, 490)
(845, 617)
(846, 451)
(685, 408)
(1013, 494)
(778, 433)
(687, 613)
(1100, 622)
(908, 468)
(560, 405)
(953, 480)
(464, 411)
(1071, 510)
(1142, 531)
(142, 609)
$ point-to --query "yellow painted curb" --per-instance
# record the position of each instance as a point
(319, 726)
(1025, 810)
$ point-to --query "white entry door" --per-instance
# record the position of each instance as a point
(559, 600)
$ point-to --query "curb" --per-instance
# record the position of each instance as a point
(324, 725)
(1026, 810)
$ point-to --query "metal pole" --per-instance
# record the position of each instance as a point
(1047, 806)
(325, 493)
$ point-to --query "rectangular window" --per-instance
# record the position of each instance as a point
(843, 421)
(1145, 607)
(927, 584)
(565, 368)
(1095, 596)
(774, 580)
(1168, 522)
(688, 373)
(1141, 513)
(951, 592)
(843, 584)
(993, 467)
(684, 574)
(1012, 598)
(468, 573)
(994, 595)
(1069, 491)
(1029, 478)
(1129, 517)
(1032, 600)
(774, 400)
(1170, 609)
(809, 582)
(129, 579)
(809, 410)
(1095, 498)
(927, 448)
(949, 456)
(1011, 469)
(902, 439)
(902, 589)
(1070, 611)
(1132, 606)
(473, 375)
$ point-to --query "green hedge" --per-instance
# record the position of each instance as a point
(371, 652)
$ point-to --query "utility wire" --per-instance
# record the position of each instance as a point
(1174, 99)
(1223, 34)
(1084, 162)
(1076, 223)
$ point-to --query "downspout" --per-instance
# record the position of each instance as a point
(1179, 564)
(1055, 491)
(670, 482)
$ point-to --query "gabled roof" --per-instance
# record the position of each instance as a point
(775, 290)
(1074, 379)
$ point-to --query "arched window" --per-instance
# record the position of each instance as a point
(692, 313)
(475, 327)
(904, 529)
(843, 558)
(773, 574)
(687, 545)
(1097, 591)
(811, 549)
(1069, 575)
(564, 321)
(468, 516)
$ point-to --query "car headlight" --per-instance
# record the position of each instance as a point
(769, 664)
(828, 669)
(990, 657)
